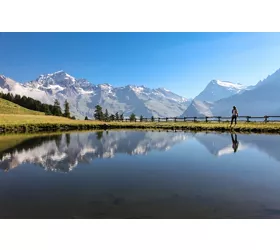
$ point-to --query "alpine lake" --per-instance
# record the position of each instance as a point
(139, 174)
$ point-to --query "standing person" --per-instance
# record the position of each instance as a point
(234, 114)
(235, 143)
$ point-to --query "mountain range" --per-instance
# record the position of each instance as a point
(83, 96)
(216, 99)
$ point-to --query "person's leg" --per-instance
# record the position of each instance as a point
(231, 120)
(232, 138)
(235, 119)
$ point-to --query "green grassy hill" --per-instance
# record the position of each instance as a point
(7, 107)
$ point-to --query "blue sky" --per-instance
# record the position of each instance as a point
(181, 62)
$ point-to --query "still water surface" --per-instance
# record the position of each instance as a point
(138, 174)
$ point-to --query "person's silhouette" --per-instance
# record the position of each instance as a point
(234, 115)
(234, 142)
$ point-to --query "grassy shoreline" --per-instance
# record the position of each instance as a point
(30, 123)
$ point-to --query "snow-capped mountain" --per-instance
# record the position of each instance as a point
(83, 96)
(62, 153)
(260, 100)
(7, 85)
(214, 91)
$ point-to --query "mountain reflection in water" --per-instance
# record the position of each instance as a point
(63, 152)
(138, 174)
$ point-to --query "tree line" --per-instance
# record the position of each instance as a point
(32, 104)
(105, 116)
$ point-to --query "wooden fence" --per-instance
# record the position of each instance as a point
(208, 119)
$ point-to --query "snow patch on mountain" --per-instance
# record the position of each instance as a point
(229, 85)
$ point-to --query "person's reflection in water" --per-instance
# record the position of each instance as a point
(234, 142)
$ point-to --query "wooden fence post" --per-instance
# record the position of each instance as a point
(185, 119)
(248, 118)
(194, 119)
(166, 119)
(158, 119)
(175, 119)
(219, 119)
(206, 119)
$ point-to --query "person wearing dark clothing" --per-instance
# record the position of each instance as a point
(234, 114)
(235, 143)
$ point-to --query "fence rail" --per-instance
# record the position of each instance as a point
(266, 118)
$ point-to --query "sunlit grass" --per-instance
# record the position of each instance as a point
(223, 126)
(9, 119)
(28, 123)
(7, 107)
(9, 122)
